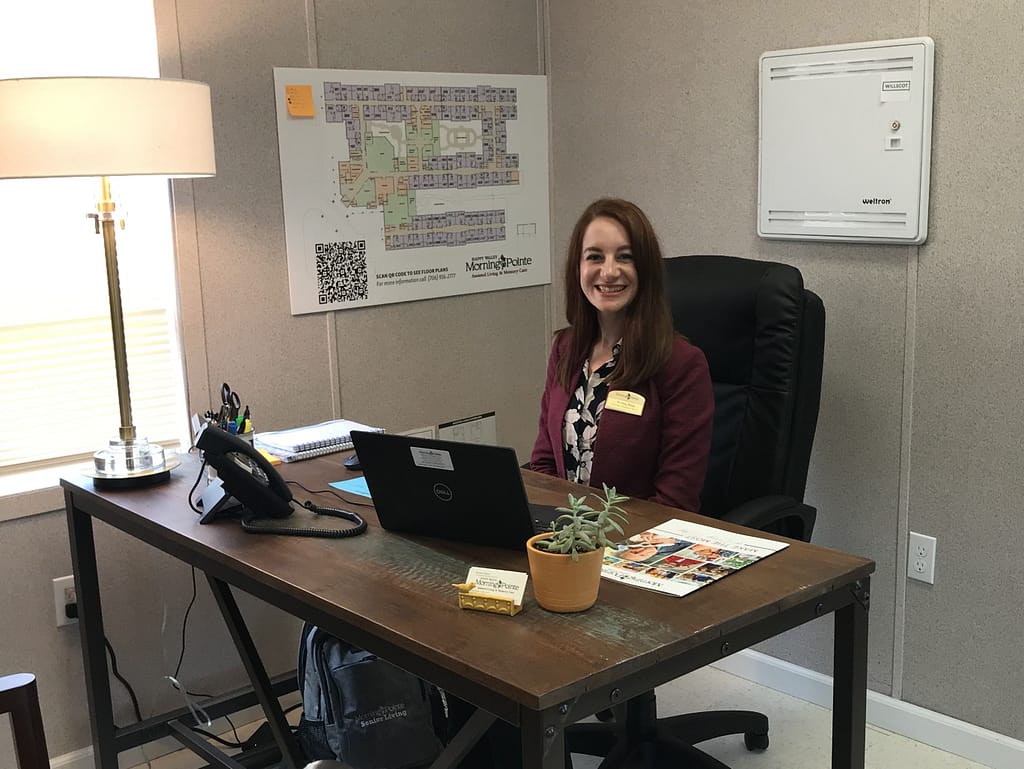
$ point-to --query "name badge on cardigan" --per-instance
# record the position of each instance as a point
(625, 401)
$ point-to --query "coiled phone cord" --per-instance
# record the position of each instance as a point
(267, 526)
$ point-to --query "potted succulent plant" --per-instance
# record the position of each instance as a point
(565, 563)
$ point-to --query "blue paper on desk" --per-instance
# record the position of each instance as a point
(353, 486)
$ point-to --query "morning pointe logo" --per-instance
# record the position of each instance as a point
(501, 262)
(877, 201)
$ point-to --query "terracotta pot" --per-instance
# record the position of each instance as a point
(560, 583)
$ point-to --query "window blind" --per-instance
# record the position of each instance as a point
(59, 393)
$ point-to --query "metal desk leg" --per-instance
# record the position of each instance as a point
(90, 625)
(543, 739)
(290, 753)
(464, 740)
(850, 669)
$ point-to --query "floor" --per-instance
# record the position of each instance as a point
(799, 731)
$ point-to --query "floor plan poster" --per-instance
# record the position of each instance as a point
(408, 185)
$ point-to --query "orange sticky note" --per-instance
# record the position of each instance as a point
(300, 100)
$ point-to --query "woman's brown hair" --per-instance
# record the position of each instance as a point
(647, 332)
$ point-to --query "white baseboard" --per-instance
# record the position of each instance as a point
(76, 759)
(943, 732)
(83, 759)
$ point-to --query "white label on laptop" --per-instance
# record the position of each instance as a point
(434, 459)
(508, 584)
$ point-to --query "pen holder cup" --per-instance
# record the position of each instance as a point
(247, 437)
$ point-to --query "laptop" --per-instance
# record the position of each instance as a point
(467, 492)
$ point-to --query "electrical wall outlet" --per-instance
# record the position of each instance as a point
(63, 594)
(921, 558)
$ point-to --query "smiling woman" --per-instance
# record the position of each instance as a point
(58, 395)
(627, 402)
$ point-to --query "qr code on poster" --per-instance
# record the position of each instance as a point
(341, 271)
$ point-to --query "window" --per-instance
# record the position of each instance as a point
(58, 394)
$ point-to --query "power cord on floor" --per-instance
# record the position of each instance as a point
(131, 692)
(122, 679)
(174, 682)
(177, 670)
(184, 621)
(238, 742)
(227, 743)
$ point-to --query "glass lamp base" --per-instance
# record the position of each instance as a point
(129, 464)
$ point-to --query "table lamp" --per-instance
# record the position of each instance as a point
(103, 127)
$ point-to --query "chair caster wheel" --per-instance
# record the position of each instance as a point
(755, 741)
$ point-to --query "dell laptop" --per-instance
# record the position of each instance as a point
(457, 491)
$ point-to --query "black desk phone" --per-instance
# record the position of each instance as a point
(246, 475)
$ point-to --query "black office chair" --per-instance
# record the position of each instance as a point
(763, 335)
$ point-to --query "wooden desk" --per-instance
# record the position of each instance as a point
(391, 594)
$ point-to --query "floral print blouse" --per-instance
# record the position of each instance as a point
(579, 429)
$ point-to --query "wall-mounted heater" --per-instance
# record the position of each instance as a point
(845, 142)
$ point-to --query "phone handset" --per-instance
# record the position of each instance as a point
(246, 474)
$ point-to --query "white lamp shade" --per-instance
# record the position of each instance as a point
(105, 126)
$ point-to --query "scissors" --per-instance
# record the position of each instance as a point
(231, 402)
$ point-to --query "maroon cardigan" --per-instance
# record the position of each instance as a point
(660, 455)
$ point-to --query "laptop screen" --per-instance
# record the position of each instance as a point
(458, 491)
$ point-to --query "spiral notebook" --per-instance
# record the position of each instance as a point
(311, 441)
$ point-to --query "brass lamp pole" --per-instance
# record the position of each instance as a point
(128, 460)
(105, 219)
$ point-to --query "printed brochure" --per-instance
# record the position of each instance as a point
(679, 557)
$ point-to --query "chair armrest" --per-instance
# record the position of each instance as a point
(778, 514)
